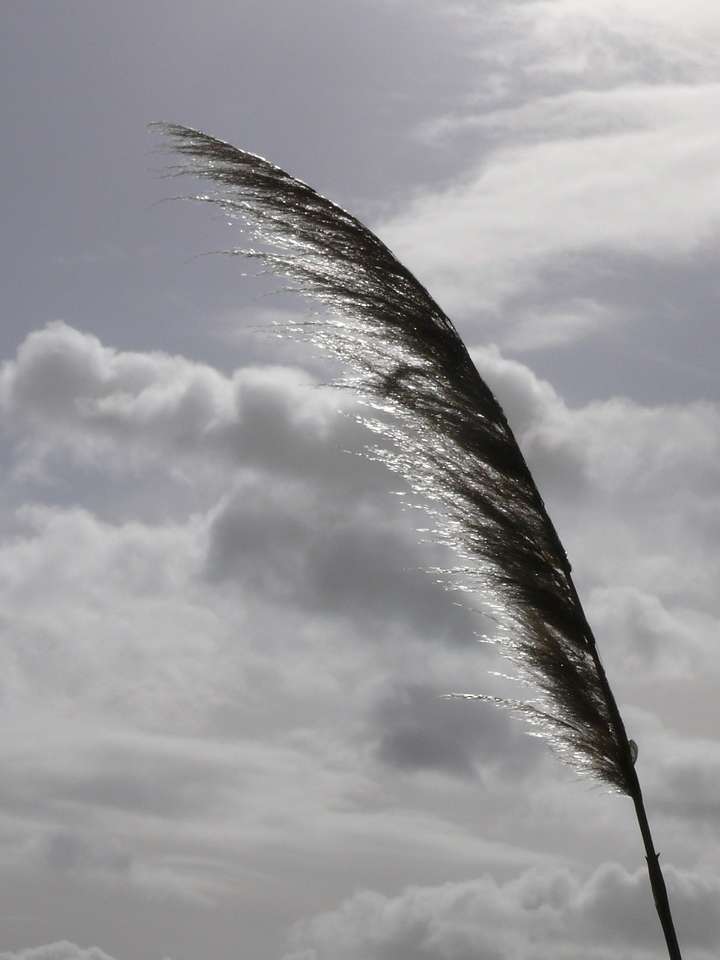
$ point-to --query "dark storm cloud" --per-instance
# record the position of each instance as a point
(332, 555)
(417, 730)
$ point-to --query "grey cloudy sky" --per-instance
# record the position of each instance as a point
(220, 654)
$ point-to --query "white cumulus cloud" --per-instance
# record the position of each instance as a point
(61, 950)
(540, 913)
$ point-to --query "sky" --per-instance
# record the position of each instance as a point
(222, 646)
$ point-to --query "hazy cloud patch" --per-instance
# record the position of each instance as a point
(582, 109)
(479, 243)
(687, 784)
(557, 327)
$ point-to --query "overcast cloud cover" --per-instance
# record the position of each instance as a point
(220, 650)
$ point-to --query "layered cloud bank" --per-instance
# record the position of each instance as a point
(183, 667)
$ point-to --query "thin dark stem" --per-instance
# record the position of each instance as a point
(657, 881)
